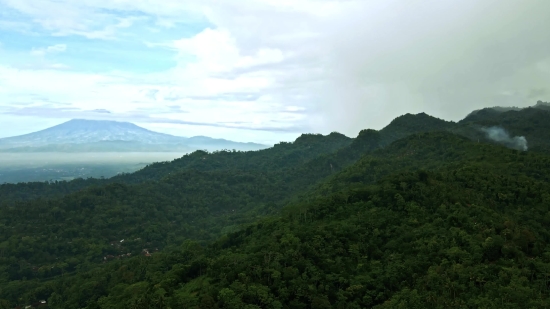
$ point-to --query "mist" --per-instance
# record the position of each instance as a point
(500, 135)
(388, 58)
(46, 166)
(15, 160)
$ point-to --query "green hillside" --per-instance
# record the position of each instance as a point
(455, 224)
(530, 122)
(421, 214)
(282, 155)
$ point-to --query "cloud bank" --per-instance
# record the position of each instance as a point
(272, 69)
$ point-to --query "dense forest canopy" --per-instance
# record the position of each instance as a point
(424, 213)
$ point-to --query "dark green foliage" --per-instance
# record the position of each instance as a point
(282, 155)
(31, 190)
(530, 122)
(335, 149)
(412, 216)
(405, 125)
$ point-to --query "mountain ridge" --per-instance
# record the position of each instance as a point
(502, 109)
(381, 220)
(84, 135)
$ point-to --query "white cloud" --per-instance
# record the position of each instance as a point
(217, 51)
(91, 18)
(325, 64)
(58, 48)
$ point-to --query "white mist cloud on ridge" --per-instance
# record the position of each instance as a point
(500, 135)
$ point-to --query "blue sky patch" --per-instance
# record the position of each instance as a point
(134, 43)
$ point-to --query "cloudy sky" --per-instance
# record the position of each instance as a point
(266, 70)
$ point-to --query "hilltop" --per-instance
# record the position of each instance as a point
(424, 213)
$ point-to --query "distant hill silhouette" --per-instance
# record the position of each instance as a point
(80, 135)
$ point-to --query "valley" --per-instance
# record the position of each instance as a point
(59, 166)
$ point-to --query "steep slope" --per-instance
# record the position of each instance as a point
(533, 123)
(200, 202)
(365, 143)
(408, 124)
(449, 239)
(450, 223)
(280, 157)
(207, 195)
(314, 155)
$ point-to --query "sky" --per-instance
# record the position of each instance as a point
(266, 70)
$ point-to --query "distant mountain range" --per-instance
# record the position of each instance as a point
(79, 135)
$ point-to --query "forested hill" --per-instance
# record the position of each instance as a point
(323, 222)
(432, 221)
(282, 155)
(532, 123)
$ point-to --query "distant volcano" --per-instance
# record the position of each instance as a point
(79, 135)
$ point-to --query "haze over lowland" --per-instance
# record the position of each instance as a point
(77, 143)
(96, 148)
(79, 135)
